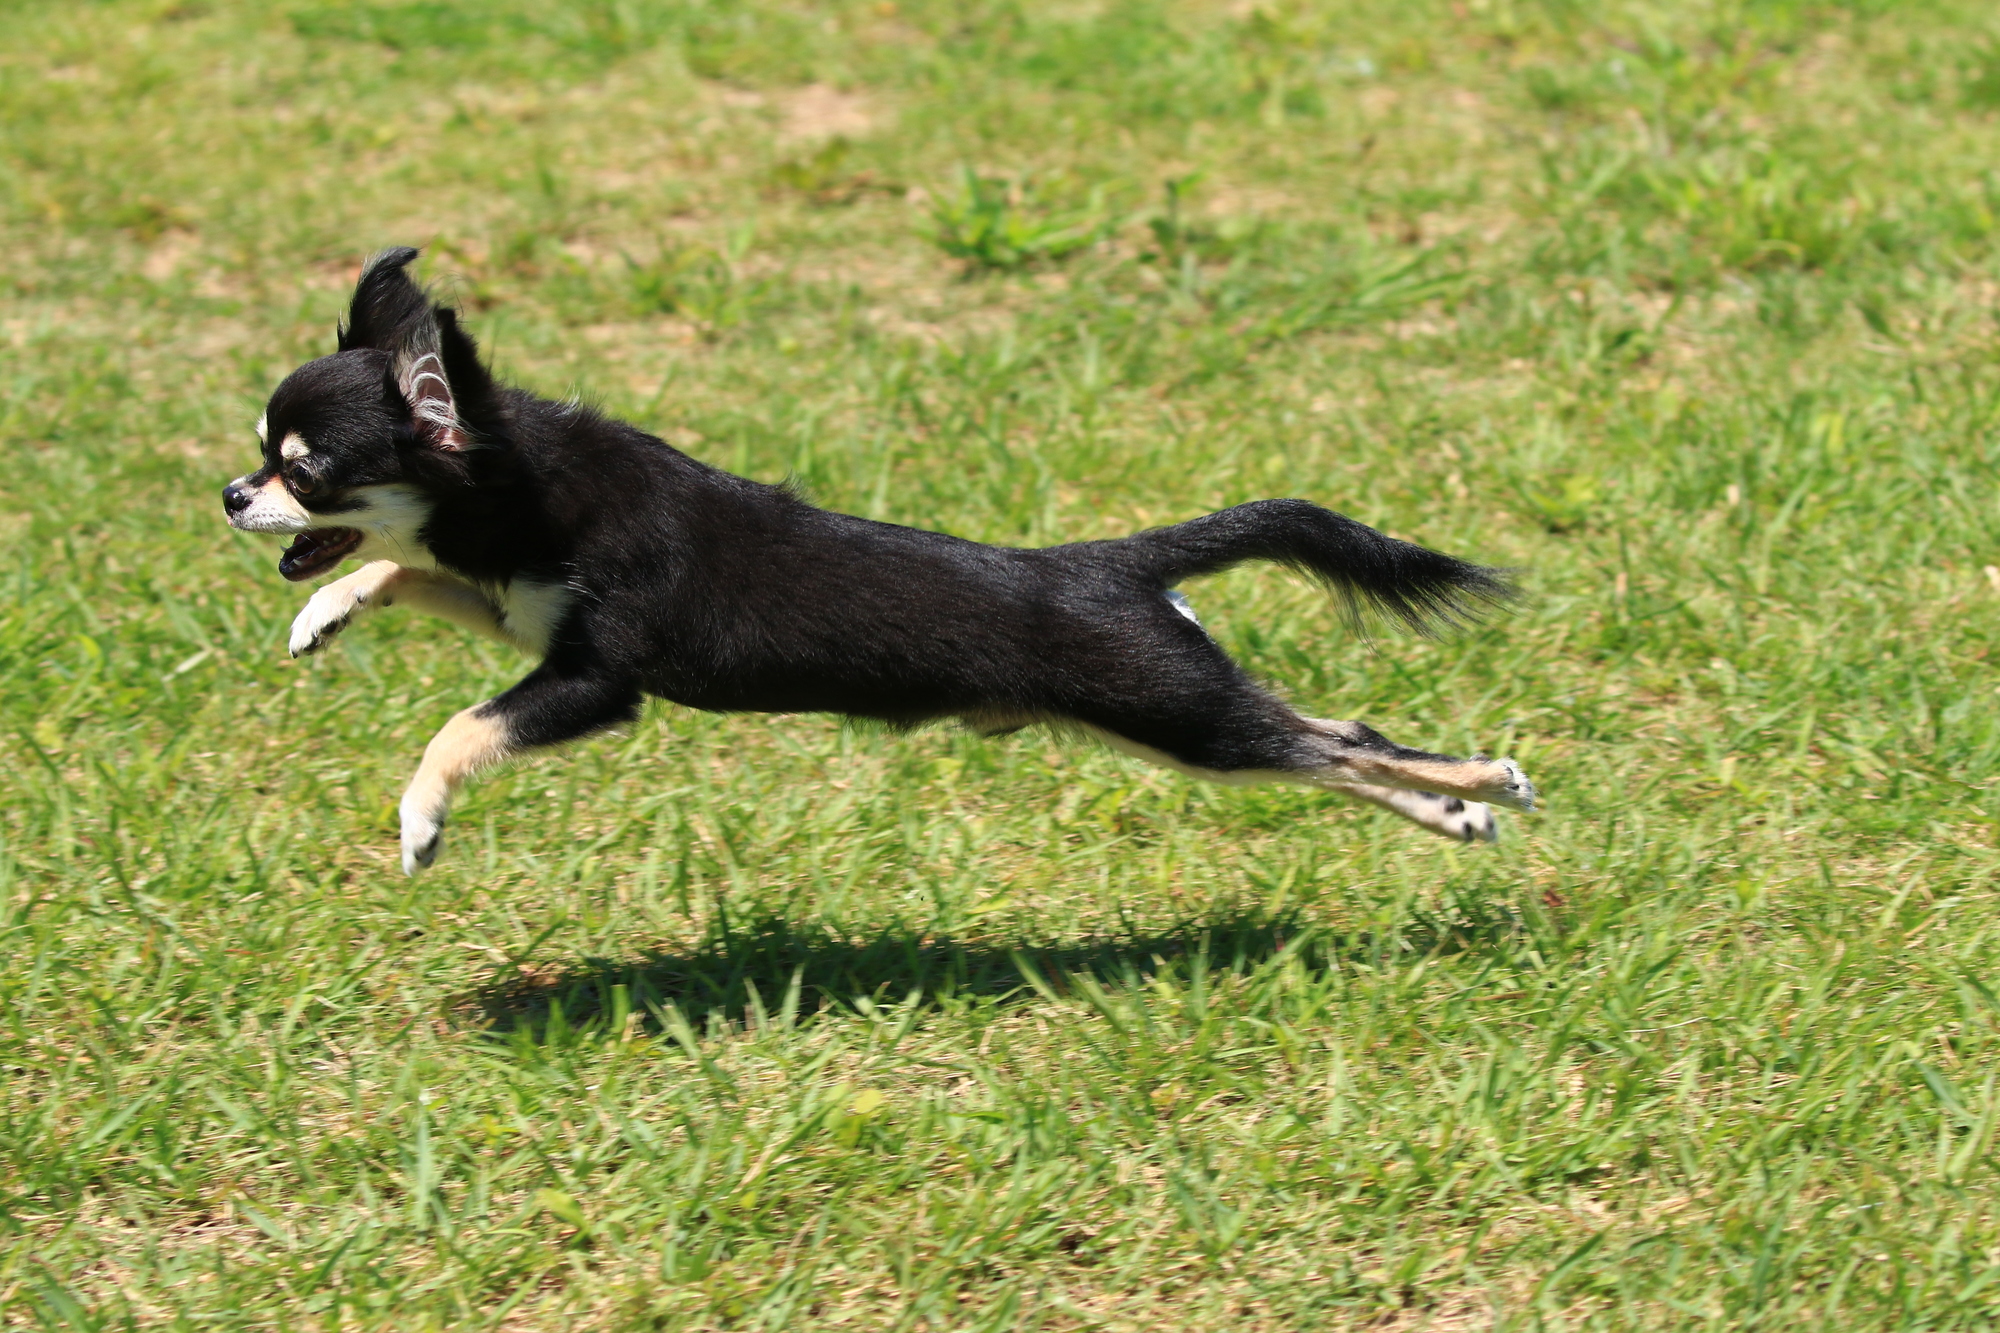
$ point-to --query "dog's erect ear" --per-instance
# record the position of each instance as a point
(433, 365)
(418, 374)
(388, 305)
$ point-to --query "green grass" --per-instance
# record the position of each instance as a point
(1685, 311)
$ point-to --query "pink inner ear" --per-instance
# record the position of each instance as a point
(429, 395)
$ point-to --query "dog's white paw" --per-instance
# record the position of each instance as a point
(1510, 787)
(1475, 822)
(422, 833)
(326, 613)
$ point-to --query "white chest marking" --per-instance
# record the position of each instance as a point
(391, 516)
(530, 612)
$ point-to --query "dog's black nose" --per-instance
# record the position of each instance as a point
(234, 499)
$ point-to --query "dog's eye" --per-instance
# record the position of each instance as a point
(300, 478)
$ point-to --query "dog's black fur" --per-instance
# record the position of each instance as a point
(654, 573)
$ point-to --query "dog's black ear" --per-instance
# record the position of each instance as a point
(387, 303)
(478, 400)
(433, 365)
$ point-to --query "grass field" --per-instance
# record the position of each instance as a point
(1688, 312)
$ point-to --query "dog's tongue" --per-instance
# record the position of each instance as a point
(311, 552)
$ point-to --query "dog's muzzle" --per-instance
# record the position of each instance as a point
(266, 508)
(314, 550)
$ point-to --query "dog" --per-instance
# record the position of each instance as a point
(629, 569)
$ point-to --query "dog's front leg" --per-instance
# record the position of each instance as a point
(383, 583)
(557, 702)
(332, 608)
(450, 599)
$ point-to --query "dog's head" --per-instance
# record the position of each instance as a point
(357, 444)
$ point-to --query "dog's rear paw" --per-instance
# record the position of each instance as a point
(1513, 790)
(1475, 823)
(321, 619)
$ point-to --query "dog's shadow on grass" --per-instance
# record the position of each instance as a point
(772, 968)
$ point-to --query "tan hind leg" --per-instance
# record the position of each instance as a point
(1451, 797)
(1358, 755)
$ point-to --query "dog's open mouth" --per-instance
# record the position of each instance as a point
(317, 550)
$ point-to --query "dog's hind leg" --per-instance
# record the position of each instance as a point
(1197, 712)
(1446, 795)
(1353, 753)
(1191, 709)
(555, 703)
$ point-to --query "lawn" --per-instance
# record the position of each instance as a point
(1685, 312)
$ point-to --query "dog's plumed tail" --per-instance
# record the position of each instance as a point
(1424, 589)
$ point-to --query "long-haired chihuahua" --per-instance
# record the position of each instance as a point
(628, 568)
